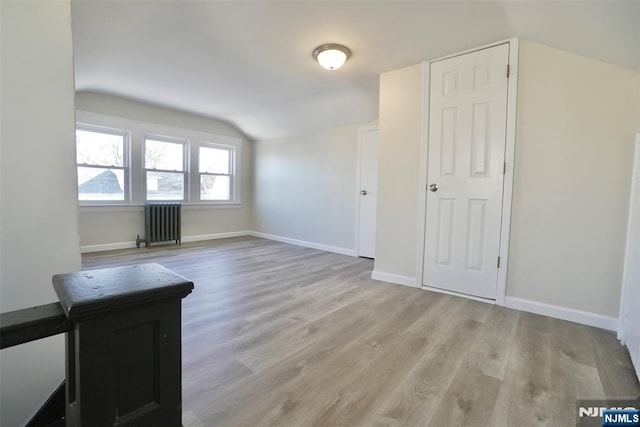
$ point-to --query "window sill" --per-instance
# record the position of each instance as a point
(139, 208)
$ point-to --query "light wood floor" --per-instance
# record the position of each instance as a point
(276, 334)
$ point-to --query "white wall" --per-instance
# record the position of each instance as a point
(118, 227)
(121, 107)
(38, 213)
(574, 150)
(305, 187)
(401, 98)
(575, 127)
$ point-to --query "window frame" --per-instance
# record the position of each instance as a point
(126, 162)
(185, 167)
(197, 174)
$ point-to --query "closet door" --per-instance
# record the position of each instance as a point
(467, 137)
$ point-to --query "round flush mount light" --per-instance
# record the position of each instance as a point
(331, 56)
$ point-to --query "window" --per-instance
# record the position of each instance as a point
(101, 163)
(216, 172)
(124, 162)
(164, 169)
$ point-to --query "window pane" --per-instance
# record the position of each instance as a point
(100, 149)
(163, 155)
(98, 184)
(165, 186)
(214, 187)
(214, 160)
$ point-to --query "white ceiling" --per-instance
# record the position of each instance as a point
(250, 63)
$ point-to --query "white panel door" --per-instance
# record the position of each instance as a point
(467, 136)
(368, 192)
(629, 331)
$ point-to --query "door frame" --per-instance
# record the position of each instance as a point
(634, 203)
(361, 130)
(509, 157)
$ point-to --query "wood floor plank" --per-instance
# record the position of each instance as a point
(365, 393)
(469, 400)
(328, 342)
(280, 335)
(212, 375)
(296, 400)
(614, 365)
(573, 372)
(490, 353)
(316, 332)
(414, 401)
(525, 397)
(572, 342)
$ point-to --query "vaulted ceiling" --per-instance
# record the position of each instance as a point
(250, 63)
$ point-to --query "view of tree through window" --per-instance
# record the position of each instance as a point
(215, 173)
(164, 169)
(100, 159)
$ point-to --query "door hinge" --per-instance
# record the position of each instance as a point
(508, 70)
(504, 168)
(498, 266)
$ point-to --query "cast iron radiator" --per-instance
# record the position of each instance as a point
(162, 223)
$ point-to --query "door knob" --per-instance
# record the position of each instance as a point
(363, 192)
(433, 187)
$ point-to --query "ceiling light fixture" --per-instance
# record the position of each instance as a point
(331, 56)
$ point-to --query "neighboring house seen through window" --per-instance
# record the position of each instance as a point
(101, 163)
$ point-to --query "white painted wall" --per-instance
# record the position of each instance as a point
(575, 128)
(400, 124)
(121, 107)
(118, 227)
(38, 213)
(305, 187)
(574, 149)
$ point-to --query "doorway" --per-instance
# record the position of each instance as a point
(367, 191)
(469, 171)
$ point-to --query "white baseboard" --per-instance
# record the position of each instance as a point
(564, 313)
(107, 247)
(129, 245)
(199, 237)
(306, 244)
(394, 278)
(215, 236)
